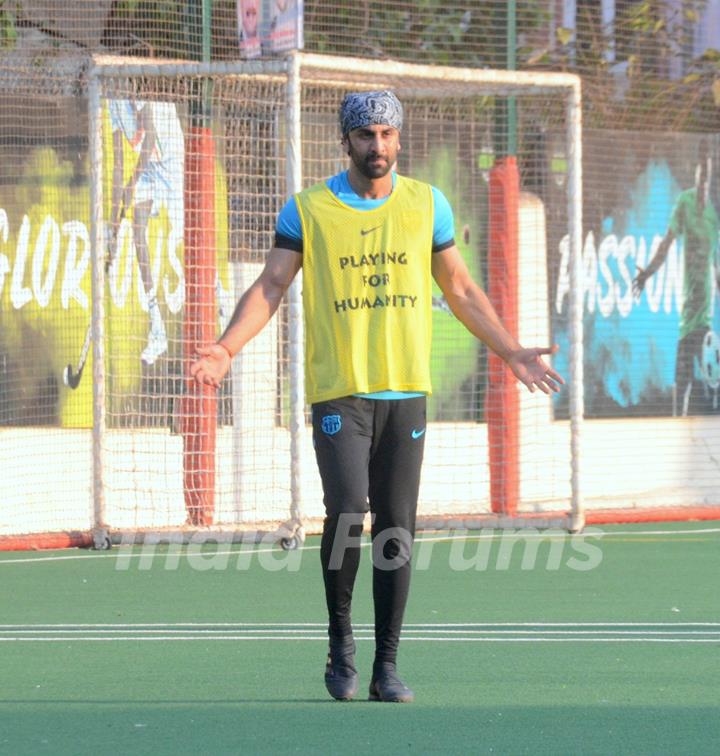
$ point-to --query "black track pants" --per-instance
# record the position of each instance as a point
(369, 453)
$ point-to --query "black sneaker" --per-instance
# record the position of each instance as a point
(387, 686)
(341, 678)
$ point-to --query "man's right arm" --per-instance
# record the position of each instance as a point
(252, 313)
(675, 228)
(658, 259)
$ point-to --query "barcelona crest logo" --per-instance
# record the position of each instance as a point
(331, 424)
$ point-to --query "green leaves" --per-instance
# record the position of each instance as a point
(8, 32)
(715, 88)
(564, 35)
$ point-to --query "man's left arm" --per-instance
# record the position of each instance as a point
(473, 309)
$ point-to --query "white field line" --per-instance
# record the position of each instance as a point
(369, 625)
(491, 632)
(323, 638)
(550, 533)
(449, 633)
(140, 551)
(269, 631)
(121, 552)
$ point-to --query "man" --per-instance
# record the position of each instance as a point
(695, 222)
(153, 131)
(367, 241)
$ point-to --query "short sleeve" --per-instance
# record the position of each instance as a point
(288, 229)
(443, 222)
(288, 222)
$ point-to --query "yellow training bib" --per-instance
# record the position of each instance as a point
(367, 292)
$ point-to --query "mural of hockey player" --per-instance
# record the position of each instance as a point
(694, 222)
(153, 131)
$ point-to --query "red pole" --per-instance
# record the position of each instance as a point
(502, 403)
(200, 402)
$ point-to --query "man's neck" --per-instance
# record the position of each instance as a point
(368, 188)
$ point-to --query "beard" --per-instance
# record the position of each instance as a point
(371, 166)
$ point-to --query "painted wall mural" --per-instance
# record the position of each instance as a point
(650, 261)
(45, 274)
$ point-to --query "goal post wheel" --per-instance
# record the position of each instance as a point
(101, 540)
(294, 540)
(577, 523)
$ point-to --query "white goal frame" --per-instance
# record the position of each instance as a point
(564, 85)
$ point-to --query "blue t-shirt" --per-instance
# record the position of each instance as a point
(289, 229)
(289, 226)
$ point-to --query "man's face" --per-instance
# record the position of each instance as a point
(250, 17)
(373, 149)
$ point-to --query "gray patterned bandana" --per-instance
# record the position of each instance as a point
(370, 108)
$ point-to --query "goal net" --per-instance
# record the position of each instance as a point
(190, 164)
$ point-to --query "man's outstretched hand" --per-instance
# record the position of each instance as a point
(212, 365)
(529, 368)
